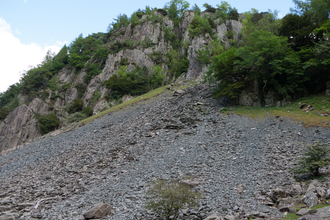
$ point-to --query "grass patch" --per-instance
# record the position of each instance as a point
(319, 103)
(146, 96)
(319, 206)
(291, 216)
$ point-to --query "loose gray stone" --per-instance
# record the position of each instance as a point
(99, 211)
(310, 199)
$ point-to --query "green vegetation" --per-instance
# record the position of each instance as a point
(135, 82)
(76, 106)
(320, 104)
(177, 63)
(76, 117)
(200, 26)
(167, 198)
(283, 55)
(48, 123)
(88, 111)
(315, 157)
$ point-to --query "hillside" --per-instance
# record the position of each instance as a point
(115, 158)
(255, 58)
(80, 129)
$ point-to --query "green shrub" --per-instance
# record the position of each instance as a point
(177, 63)
(200, 26)
(88, 111)
(166, 199)
(125, 82)
(44, 95)
(52, 83)
(48, 122)
(209, 8)
(157, 57)
(230, 34)
(315, 157)
(65, 87)
(81, 88)
(95, 98)
(147, 43)
(3, 113)
(162, 11)
(77, 105)
(157, 76)
(124, 62)
(91, 71)
(169, 36)
(76, 117)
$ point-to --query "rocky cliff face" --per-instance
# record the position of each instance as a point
(21, 126)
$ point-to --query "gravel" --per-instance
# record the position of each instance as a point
(115, 158)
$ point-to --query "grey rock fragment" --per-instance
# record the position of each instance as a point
(99, 211)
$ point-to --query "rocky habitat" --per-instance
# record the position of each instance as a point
(240, 165)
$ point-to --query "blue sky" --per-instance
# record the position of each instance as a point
(28, 28)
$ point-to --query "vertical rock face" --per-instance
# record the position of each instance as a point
(71, 94)
(21, 125)
(66, 75)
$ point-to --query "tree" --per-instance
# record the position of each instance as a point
(315, 157)
(121, 21)
(167, 199)
(298, 31)
(175, 10)
(265, 57)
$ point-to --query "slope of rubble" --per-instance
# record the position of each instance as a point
(237, 161)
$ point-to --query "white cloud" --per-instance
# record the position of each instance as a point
(24, 0)
(16, 57)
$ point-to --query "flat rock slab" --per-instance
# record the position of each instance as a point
(99, 211)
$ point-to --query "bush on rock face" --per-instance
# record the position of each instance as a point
(77, 106)
(75, 117)
(88, 111)
(48, 123)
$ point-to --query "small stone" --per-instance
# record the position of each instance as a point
(99, 211)
(303, 211)
(230, 217)
(178, 92)
(213, 217)
(320, 191)
(239, 189)
(21, 206)
(190, 182)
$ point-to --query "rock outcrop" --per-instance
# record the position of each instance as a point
(70, 81)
